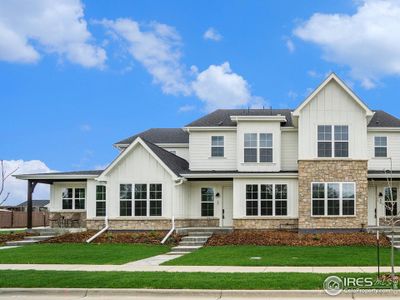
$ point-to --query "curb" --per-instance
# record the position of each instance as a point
(83, 292)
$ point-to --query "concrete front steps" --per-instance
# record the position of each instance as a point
(195, 238)
(43, 234)
(394, 238)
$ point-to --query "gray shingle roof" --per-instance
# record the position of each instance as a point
(35, 203)
(160, 135)
(383, 119)
(222, 117)
(175, 163)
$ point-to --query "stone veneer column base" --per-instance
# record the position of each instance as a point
(333, 171)
(262, 223)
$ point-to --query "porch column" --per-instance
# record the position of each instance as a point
(31, 188)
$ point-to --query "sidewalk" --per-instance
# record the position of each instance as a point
(211, 269)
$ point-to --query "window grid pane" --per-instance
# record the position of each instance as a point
(217, 146)
(207, 202)
(100, 209)
(140, 191)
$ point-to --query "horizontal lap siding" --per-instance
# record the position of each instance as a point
(393, 140)
(289, 151)
(200, 151)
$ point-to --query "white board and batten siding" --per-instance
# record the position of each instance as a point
(200, 151)
(333, 106)
(289, 150)
(139, 167)
(393, 151)
(239, 196)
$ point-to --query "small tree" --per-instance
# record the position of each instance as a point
(3, 177)
(392, 215)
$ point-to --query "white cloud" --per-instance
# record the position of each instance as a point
(86, 128)
(30, 28)
(367, 41)
(219, 87)
(18, 188)
(292, 95)
(186, 108)
(158, 48)
(290, 45)
(212, 34)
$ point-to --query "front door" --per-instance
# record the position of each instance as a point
(227, 206)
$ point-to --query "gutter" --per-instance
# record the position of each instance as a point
(100, 232)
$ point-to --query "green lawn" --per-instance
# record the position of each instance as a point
(12, 231)
(284, 256)
(80, 253)
(158, 280)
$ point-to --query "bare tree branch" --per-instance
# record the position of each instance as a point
(3, 178)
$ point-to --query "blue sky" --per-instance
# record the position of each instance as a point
(144, 64)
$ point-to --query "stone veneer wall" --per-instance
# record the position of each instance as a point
(333, 171)
(262, 223)
(150, 224)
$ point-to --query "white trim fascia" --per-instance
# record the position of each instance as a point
(332, 76)
(290, 129)
(128, 150)
(120, 146)
(242, 175)
(210, 128)
(383, 129)
(383, 175)
(275, 118)
(55, 176)
(172, 145)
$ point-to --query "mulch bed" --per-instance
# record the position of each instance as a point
(13, 237)
(287, 238)
(147, 237)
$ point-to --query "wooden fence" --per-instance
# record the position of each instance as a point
(18, 219)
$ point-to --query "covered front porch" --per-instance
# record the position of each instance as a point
(68, 197)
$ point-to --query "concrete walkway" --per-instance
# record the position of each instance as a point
(132, 267)
(154, 260)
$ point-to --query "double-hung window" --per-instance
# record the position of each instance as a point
(333, 198)
(125, 203)
(155, 199)
(142, 201)
(217, 146)
(266, 200)
(258, 147)
(73, 198)
(250, 147)
(333, 141)
(390, 201)
(207, 202)
(380, 146)
(100, 200)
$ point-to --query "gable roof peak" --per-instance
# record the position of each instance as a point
(342, 84)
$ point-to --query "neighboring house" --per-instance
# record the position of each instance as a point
(37, 205)
(320, 166)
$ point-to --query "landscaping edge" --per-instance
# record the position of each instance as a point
(84, 292)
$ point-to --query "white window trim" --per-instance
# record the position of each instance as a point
(333, 142)
(133, 199)
(274, 215)
(211, 146)
(387, 148)
(96, 201)
(258, 149)
(73, 199)
(325, 215)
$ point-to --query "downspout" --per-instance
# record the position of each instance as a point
(105, 228)
(179, 182)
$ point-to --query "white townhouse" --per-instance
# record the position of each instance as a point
(321, 166)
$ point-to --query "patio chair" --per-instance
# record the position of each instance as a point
(75, 220)
(56, 218)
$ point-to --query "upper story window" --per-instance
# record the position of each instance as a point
(217, 146)
(380, 146)
(333, 141)
(258, 147)
(73, 198)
